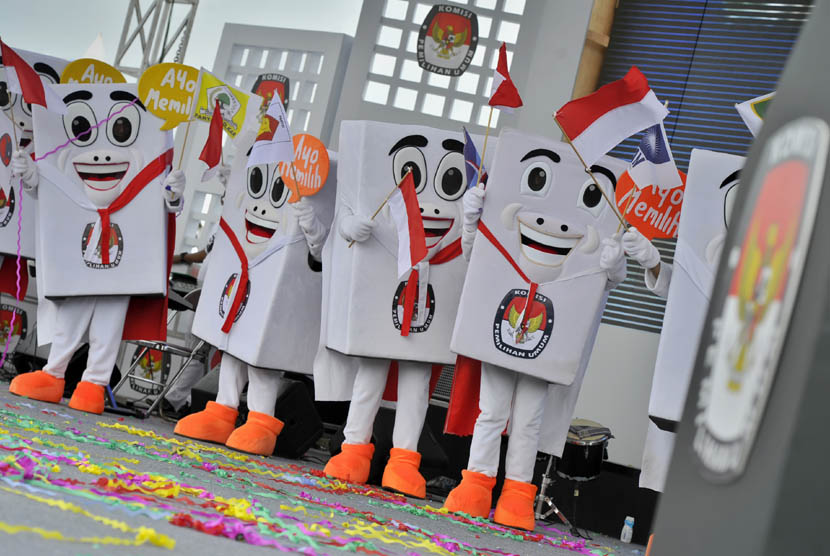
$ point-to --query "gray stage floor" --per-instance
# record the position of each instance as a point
(67, 476)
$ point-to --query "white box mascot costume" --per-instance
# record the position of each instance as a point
(105, 229)
(18, 123)
(711, 188)
(546, 238)
(363, 285)
(260, 302)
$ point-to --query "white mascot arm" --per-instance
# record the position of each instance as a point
(174, 185)
(612, 261)
(658, 273)
(23, 167)
(355, 227)
(314, 231)
(473, 203)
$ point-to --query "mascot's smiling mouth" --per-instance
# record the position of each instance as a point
(544, 247)
(435, 229)
(258, 230)
(102, 177)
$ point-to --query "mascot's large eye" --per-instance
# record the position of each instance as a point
(79, 123)
(451, 178)
(257, 180)
(279, 192)
(537, 178)
(729, 203)
(411, 158)
(6, 96)
(122, 128)
(590, 196)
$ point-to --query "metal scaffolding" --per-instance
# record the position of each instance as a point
(152, 27)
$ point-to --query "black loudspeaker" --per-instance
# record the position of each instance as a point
(295, 407)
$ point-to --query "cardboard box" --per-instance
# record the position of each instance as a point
(89, 173)
(710, 191)
(363, 309)
(547, 214)
(278, 325)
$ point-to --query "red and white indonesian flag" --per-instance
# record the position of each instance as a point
(406, 213)
(274, 143)
(503, 92)
(598, 122)
(23, 80)
(212, 151)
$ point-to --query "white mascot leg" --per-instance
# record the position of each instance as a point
(216, 422)
(402, 471)
(72, 316)
(495, 399)
(354, 461)
(259, 433)
(105, 330)
(656, 457)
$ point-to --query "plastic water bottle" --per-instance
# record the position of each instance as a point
(627, 530)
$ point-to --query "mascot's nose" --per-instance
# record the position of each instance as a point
(428, 209)
(256, 208)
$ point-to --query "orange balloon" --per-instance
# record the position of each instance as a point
(654, 212)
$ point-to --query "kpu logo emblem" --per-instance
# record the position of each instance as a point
(7, 200)
(92, 257)
(418, 324)
(269, 84)
(228, 293)
(765, 266)
(154, 365)
(18, 330)
(447, 40)
(515, 338)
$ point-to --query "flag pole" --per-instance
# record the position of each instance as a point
(184, 142)
(590, 173)
(296, 182)
(386, 200)
(484, 149)
(14, 126)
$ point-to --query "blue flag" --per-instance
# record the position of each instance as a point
(653, 163)
(473, 161)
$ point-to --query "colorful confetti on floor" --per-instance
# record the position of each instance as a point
(104, 481)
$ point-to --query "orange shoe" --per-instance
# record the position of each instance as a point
(214, 423)
(257, 436)
(352, 464)
(648, 548)
(515, 505)
(401, 473)
(38, 385)
(88, 397)
(473, 495)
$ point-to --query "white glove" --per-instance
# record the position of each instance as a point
(356, 228)
(313, 230)
(223, 173)
(612, 260)
(23, 167)
(640, 249)
(473, 203)
(174, 185)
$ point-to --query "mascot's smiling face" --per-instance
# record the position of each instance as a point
(552, 211)
(49, 69)
(263, 206)
(438, 170)
(104, 159)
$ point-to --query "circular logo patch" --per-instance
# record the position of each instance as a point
(419, 323)
(519, 336)
(153, 365)
(92, 256)
(447, 40)
(228, 293)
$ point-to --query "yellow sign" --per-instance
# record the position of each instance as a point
(232, 102)
(167, 90)
(89, 70)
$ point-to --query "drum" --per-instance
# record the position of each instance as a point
(585, 448)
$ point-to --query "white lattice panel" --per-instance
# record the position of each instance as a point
(384, 81)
